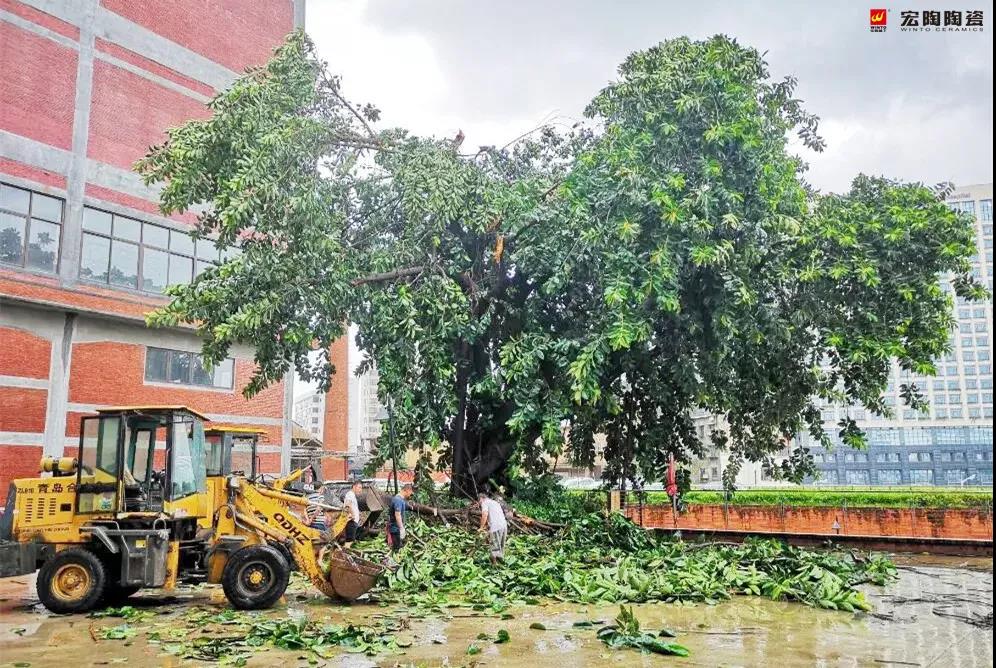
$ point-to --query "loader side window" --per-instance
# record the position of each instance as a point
(97, 487)
(215, 450)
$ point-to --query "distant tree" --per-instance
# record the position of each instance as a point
(664, 258)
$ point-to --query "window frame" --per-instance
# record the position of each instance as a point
(28, 218)
(189, 372)
(144, 245)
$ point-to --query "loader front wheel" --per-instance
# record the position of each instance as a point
(72, 581)
(255, 577)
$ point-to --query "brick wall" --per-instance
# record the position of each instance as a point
(336, 432)
(24, 354)
(892, 522)
(17, 461)
(130, 113)
(234, 33)
(23, 409)
(42, 176)
(109, 373)
(148, 65)
(41, 18)
(38, 80)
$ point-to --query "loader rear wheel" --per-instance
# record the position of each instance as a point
(255, 577)
(72, 581)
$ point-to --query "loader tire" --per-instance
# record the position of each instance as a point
(255, 577)
(73, 580)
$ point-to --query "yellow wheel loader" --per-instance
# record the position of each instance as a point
(117, 518)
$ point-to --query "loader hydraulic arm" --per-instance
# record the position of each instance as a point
(259, 510)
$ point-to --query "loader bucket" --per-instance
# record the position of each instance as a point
(352, 575)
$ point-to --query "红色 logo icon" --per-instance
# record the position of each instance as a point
(878, 19)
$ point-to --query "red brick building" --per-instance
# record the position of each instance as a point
(87, 86)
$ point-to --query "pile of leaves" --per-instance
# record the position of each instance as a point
(626, 632)
(608, 559)
(231, 637)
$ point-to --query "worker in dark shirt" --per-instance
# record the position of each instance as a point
(396, 519)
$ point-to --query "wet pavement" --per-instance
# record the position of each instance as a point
(938, 613)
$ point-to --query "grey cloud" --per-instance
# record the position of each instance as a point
(517, 59)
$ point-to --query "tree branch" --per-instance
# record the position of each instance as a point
(387, 276)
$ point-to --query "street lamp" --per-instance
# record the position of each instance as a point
(387, 413)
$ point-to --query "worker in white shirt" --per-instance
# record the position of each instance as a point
(351, 505)
(493, 520)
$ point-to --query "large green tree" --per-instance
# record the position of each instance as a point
(664, 257)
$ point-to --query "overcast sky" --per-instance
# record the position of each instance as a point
(915, 106)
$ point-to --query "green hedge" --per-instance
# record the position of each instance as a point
(906, 498)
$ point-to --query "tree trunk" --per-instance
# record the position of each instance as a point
(461, 482)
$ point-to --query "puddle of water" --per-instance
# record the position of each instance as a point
(920, 620)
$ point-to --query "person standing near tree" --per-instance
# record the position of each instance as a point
(493, 520)
(351, 505)
(396, 520)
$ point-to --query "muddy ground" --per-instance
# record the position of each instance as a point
(939, 613)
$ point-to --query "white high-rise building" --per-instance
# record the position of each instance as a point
(309, 412)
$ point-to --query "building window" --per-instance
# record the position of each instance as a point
(828, 477)
(986, 209)
(884, 436)
(954, 476)
(30, 229)
(964, 207)
(185, 368)
(128, 253)
(919, 457)
(857, 477)
(921, 476)
(916, 436)
(890, 477)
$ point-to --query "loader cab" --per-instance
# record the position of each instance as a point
(121, 471)
(230, 449)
